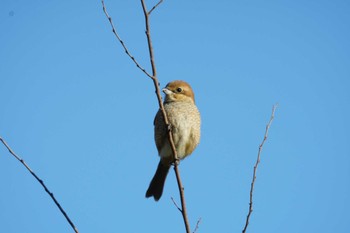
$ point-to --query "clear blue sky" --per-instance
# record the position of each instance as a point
(80, 114)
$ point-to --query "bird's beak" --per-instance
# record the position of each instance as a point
(166, 91)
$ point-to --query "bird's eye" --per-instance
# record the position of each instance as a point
(179, 89)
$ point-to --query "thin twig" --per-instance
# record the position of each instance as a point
(176, 204)
(197, 225)
(256, 167)
(149, 13)
(121, 41)
(41, 182)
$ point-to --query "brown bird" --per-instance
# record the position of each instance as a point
(184, 119)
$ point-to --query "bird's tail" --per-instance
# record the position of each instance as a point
(156, 186)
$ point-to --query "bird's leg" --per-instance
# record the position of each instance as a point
(176, 162)
(169, 127)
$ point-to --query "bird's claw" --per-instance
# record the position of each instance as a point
(169, 127)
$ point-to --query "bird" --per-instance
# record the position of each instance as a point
(184, 121)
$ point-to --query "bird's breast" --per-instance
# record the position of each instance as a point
(185, 122)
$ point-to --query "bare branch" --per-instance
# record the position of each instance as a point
(182, 197)
(149, 13)
(150, 47)
(121, 41)
(256, 167)
(41, 182)
(197, 225)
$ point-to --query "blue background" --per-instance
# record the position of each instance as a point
(80, 113)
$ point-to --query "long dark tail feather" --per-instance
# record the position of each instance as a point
(156, 186)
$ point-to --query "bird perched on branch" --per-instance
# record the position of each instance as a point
(184, 120)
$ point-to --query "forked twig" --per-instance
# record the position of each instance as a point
(41, 182)
(256, 167)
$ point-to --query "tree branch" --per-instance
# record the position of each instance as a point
(182, 197)
(256, 167)
(41, 182)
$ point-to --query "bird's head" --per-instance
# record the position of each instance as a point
(178, 90)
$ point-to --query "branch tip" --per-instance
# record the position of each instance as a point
(250, 210)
